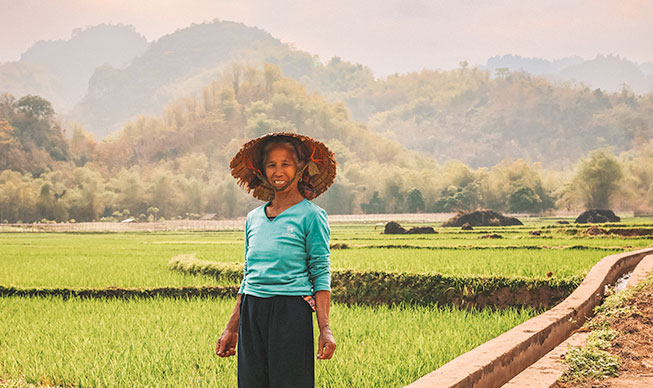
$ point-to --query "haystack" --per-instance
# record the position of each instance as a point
(482, 218)
(597, 216)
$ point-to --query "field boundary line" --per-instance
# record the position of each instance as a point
(394, 288)
(478, 247)
(120, 293)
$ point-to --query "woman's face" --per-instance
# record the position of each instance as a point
(281, 167)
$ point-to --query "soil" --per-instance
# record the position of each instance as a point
(482, 218)
(595, 231)
(634, 345)
(631, 232)
(339, 246)
(622, 232)
(493, 235)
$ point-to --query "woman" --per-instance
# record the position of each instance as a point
(286, 274)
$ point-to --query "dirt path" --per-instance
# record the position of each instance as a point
(634, 345)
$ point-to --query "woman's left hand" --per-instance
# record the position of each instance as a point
(326, 344)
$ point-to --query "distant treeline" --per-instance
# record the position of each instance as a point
(176, 165)
(480, 118)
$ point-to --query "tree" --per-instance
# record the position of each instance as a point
(597, 179)
(415, 201)
(455, 198)
(525, 200)
(36, 107)
(272, 74)
(87, 202)
(376, 205)
(10, 150)
(339, 199)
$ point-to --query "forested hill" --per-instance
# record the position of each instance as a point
(59, 70)
(176, 65)
(176, 165)
(607, 72)
(466, 115)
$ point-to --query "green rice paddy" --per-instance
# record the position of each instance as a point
(169, 342)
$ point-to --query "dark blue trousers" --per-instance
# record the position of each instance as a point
(275, 343)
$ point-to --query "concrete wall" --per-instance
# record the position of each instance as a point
(497, 361)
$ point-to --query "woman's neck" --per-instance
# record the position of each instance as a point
(284, 200)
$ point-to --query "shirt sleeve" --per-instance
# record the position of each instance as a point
(317, 247)
(242, 284)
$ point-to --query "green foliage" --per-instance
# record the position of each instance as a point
(465, 115)
(35, 107)
(376, 205)
(589, 362)
(597, 179)
(523, 200)
(31, 140)
(613, 307)
(415, 201)
(463, 191)
(601, 338)
(179, 163)
(593, 361)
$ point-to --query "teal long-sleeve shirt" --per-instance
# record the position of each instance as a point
(288, 255)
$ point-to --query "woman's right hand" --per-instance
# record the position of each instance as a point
(226, 346)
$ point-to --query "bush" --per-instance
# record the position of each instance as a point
(590, 362)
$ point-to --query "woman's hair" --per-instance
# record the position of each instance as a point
(280, 143)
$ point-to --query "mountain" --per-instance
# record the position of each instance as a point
(179, 64)
(646, 68)
(536, 66)
(608, 72)
(467, 115)
(59, 70)
(20, 79)
(476, 115)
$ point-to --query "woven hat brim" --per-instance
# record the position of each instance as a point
(249, 159)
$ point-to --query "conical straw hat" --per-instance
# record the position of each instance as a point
(317, 174)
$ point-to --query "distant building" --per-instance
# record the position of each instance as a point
(209, 217)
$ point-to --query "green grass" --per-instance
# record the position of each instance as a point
(140, 259)
(103, 260)
(170, 342)
(498, 262)
(552, 235)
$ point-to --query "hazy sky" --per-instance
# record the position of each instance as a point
(387, 35)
